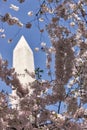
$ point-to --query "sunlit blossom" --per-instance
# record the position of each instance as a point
(20, 24)
(2, 30)
(78, 35)
(52, 50)
(30, 13)
(41, 19)
(61, 116)
(70, 84)
(36, 49)
(76, 94)
(3, 35)
(72, 24)
(76, 16)
(72, 6)
(51, 11)
(14, 7)
(43, 44)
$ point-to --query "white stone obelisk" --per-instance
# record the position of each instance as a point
(23, 59)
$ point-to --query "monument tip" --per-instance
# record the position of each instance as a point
(22, 43)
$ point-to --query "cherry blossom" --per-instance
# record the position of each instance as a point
(14, 7)
(65, 90)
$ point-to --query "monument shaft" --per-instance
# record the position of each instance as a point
(23, 60)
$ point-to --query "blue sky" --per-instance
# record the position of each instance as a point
(32, 35)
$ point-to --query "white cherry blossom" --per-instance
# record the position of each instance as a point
(14, 7)
(30, 13)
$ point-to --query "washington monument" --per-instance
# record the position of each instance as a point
(23, 59)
